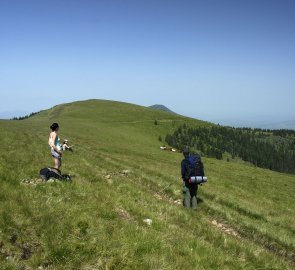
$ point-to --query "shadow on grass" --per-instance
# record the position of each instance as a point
(200, 200)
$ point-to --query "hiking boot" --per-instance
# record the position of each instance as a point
(194, 203)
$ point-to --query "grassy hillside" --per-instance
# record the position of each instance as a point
(245, 218)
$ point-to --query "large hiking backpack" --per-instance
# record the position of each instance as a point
(194, 166)
(47, 173)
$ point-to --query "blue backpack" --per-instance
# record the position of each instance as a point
(194, 166)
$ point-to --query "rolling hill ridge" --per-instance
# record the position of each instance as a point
(245, 216)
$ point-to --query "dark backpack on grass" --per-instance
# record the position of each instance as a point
(47, 173)
(194, 166)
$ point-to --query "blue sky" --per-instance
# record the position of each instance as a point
(227, 61)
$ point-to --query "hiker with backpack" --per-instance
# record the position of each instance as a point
(191, 169)
(54, 143)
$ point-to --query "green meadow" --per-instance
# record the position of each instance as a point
(245, 217)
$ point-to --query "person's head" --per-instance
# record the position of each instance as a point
(54, 127)
(185, 152)
(66, 141)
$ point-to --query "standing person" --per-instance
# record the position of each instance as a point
(66, 146)
(188, 169)
(54, 143)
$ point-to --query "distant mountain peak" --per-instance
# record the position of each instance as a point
(161, 108)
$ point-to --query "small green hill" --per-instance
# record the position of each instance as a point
(245, 218)
(161, 108)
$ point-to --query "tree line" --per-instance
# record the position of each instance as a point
(271, 149)
(25, 117)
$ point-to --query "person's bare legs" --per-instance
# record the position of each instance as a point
(57, 163)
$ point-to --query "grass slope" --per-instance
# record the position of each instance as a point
(245, 218)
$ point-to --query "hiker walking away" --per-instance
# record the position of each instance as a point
(191, 165)
(54, 143)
